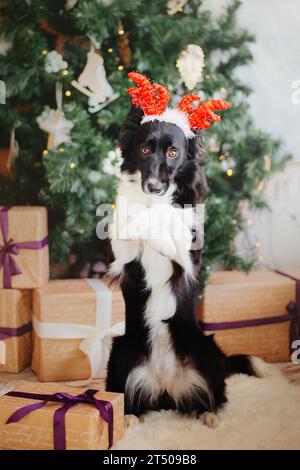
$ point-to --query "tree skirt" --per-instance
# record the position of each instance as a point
(261, 413)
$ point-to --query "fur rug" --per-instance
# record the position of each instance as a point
(260, 414)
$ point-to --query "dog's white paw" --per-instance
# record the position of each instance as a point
(210, 419)
(130, 420)
(165, 247)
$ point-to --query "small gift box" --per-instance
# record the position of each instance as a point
(24, 254)
(15, 330)
(52, 416)
(255, 314)
(74, 322)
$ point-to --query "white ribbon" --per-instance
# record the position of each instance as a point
(2, 352)
(96, 340)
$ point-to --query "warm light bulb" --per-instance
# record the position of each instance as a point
(45, 152)
(229, 172)
(121, 31)
(222, 157)
(65, 73)
(68, 93)
(113, 206)
(120, 67)
(222, 89)
(207, 76)
(110, 50)
(44, 52)
(61, 149)
(72, 165)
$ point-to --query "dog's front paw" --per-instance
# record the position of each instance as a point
(165, 247)
(210, 419)
(130, 420)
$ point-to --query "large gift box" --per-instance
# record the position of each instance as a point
(24, 254)
(55, 416)
(15, 329)
(257, 314)
(74, 322)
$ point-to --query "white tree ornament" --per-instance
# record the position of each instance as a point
(54, 62)
(55, 123)
(190, 65)
(93, 83)
(173, 6)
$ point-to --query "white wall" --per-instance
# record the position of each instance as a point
(276, 66)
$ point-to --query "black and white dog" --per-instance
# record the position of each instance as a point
(164, 360)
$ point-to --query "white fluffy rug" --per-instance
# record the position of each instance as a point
(260, 414)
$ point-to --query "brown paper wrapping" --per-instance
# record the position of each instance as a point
(28, 223)
(66, 301)
(84, 429)
(234, 296)
(15, 311)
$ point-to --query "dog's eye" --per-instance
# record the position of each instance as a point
(145, 150)
(172, 153)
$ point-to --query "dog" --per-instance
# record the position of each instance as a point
(164, 360)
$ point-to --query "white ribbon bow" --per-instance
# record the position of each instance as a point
(96, 342)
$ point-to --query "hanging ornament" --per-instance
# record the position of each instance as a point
(174, 6)
(124, 49)
(55, 123)
(190, 65)
(54, 62)
(70, 4)
(93, 83)
(111, 165)
(8, 155)
(5, 45)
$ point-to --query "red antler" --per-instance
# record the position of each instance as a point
(152, 98)
(199, 117)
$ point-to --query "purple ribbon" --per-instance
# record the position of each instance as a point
(104, 407)
(10, 248)
(6, 333)
(293, 315)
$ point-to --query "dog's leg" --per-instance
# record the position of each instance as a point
(130, 420)
(209, 418)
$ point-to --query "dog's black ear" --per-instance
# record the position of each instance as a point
(195, 147)
(196, 153)
(126, 141)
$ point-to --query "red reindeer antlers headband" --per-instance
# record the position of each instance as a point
(153, 99)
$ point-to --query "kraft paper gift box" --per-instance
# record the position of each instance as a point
(60, 417)
(15, 330)
(24, 254)
(248, 313)
(74, 322)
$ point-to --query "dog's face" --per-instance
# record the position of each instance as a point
(160, 148)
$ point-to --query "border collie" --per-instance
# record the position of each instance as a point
(164, 360)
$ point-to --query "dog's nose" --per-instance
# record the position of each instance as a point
(154, 187)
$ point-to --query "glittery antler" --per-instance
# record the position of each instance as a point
(200, 116)
(152, 98)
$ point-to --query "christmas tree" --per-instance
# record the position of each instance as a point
(65, 65)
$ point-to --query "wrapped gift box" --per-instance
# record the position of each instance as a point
(84, 428)
(73, 322)
(248, 313)
(24, 254)
(15, 330)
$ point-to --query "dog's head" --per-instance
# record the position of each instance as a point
(165, 144)
(161, 152)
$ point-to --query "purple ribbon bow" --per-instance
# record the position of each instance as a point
(10, 248)
(6, 333)
(104, 407)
